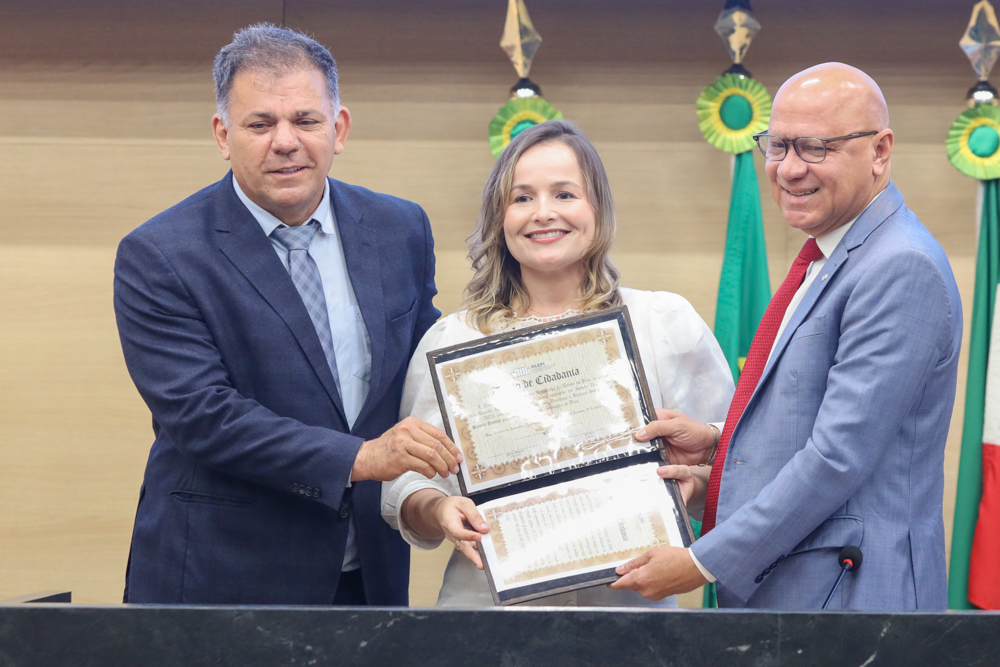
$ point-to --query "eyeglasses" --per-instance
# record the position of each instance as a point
(810, 149)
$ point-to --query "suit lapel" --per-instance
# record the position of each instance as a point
(364, 266)
(867, 222)
(244, 243)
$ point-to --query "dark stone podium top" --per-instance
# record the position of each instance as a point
(50, 634)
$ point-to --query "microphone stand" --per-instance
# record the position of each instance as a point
(850, 559)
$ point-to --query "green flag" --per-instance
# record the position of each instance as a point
(970, 467)
(744, 288)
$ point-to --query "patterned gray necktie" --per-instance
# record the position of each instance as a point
(305, 276)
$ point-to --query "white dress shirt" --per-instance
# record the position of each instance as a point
(351, 344)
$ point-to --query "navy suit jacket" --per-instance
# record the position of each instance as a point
(245, 498)
(842, 442)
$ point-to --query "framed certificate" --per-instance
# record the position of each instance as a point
(543, 399)
(546, 417)
(575, 533)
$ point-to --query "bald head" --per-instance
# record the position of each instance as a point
(853, 94)
(829, 101)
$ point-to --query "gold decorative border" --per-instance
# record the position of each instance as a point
(482, 474)
(500, 546)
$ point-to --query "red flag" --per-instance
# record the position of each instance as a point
(984, 560)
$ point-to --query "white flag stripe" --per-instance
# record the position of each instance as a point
(991, 416)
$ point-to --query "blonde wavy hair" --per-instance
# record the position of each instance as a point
(496, 291)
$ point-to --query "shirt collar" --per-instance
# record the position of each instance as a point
(323, 213)
(828, 242)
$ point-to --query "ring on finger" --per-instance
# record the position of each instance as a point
(458, 545)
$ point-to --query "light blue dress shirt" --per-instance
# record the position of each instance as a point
(351, 343)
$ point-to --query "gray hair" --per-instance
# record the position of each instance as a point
(265, 46)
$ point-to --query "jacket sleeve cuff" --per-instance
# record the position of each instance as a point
(701, 568)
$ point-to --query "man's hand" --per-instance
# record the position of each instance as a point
(409, 445)
(689, 441)
(660, 572)
(693, 482)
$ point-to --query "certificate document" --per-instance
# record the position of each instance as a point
(546, 419)
(587, 525)
(549, 401)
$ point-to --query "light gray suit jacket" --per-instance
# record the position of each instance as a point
(843, 440)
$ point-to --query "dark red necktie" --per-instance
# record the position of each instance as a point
(760, 350)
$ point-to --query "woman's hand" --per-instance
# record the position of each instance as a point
(693, 482)
(432, 515)
(462, 525)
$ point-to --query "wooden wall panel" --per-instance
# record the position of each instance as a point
(676, 32)
(74, 435)
(107, 107)
(93, 191)
(125, 30)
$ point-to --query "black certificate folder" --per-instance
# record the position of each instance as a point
(545, 417)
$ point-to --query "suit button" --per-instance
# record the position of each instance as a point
(345, 512)
(295, 487)
(316, 493)
(760, 578)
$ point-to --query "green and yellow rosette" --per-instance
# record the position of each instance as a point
(974, 142)
(515, 117)
(731, 110)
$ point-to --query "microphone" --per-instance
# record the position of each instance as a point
(850, 559)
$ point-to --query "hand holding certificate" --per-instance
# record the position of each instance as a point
(573, 528)
(546, 419)
(660, 572)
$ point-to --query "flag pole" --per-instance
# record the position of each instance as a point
(730, 111)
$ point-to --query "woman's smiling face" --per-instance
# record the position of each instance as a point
(549, 224)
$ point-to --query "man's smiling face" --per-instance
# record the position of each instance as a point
(281, 137)
(820, 197)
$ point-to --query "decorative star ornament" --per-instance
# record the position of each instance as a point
(737, 27)
(734, 107)
(981, 41)
(973, 142)
(520, 41)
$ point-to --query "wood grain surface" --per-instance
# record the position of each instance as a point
(107, 104)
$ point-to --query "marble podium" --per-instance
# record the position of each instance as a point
(40, 635)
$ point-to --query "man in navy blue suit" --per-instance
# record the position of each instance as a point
(267, 322)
